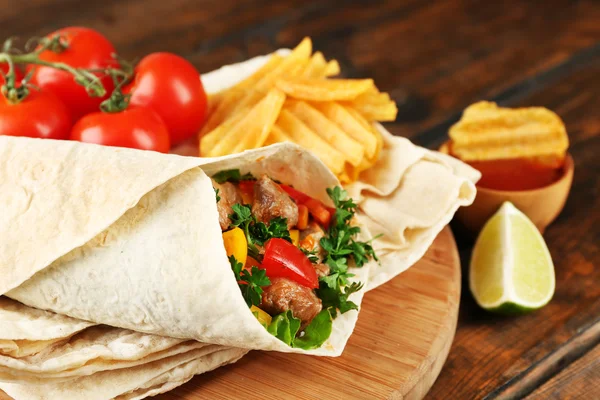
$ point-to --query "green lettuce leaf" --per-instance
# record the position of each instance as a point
(316, 333)
(285, 327)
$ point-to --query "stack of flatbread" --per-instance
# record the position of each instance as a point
(85, 229)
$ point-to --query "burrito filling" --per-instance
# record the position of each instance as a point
(290, 254)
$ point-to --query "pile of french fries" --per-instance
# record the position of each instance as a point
(292, 98)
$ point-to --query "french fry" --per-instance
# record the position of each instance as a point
(213, 103)
(210, 140)
(324, 89)
(488, 132)
(253, 123)
(373, 96)
(315, 67)
(301, 134)
(332, 68)
(318, 67)
(353, 172)
(277, 136)
(264, 119)
(344, 178)
(290, 66)
(223, 110)
(328, 130)
(380, 144)
(342, 118)
(374, 131)
(377, 112)
(228, 99)
(374, 106)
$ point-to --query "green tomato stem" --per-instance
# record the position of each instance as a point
(88, 78)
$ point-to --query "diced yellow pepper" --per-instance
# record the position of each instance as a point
(295, 236)
(236, 244)
(261, 316)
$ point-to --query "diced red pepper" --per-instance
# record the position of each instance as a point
(318, 210)
(247, 191)
(302, 217)
(297, 195)
(283, 259)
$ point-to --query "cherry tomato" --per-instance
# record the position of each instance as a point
(40, 115)
(86, 49)
(171, 86)
(135, 127)
(284, 260)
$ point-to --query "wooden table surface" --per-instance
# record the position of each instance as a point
(435, 58)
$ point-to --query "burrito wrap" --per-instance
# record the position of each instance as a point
(398, 251)
(131, 238)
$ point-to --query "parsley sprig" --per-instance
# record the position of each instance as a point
(258, 233)
(250, 282)
(340, 247)
(231, 175)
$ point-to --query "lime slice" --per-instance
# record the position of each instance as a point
(511, 268)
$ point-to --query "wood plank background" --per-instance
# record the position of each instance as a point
(435, 58)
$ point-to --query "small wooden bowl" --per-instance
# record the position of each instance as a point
(541, 205)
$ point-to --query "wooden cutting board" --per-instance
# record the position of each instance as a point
(397, 350)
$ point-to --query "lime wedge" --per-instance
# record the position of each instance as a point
(511, 268)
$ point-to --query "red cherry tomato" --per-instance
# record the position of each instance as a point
(284, 260)
(171, 86)
(86, 49)
(135, 127)
(40, 115)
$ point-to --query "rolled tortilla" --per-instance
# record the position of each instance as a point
(407, 198)
(388, 181)
(131, 383)
(131, 238)
(100, 348)
(25, 331)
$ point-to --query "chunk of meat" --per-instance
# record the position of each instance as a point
(271, 201)
(284, 294)
(322, 269)
(229, 195)
(310, 238)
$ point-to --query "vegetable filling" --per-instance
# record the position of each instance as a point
(290, 254)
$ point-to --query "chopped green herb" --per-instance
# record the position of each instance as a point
(340, 247)
(345, 245)
(217, 195)
(277, 228)
(311, 255)
(250, 282)
(257, 233)
(231, 175)
(337, 299)
(254, 252)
